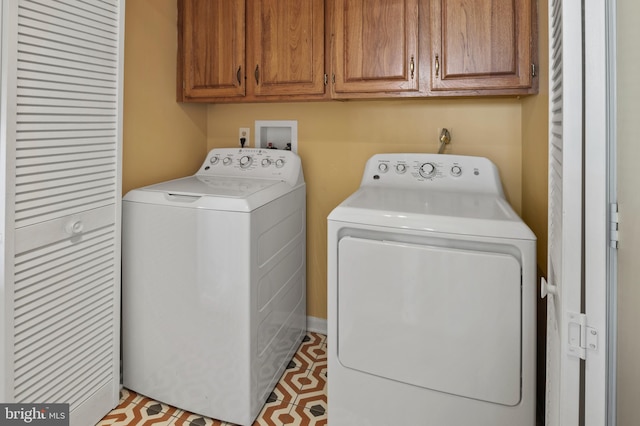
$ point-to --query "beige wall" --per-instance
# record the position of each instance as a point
(628, 129)
(336, 138)
(535, 146)
(162, 139)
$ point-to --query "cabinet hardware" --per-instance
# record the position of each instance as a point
(412, 67)
(533, 70)
(239, 74)
(257, 75)
(437, 65)
(326, 79)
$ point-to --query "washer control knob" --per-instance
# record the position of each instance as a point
(266, 162)
(226, 161)
(456, 171)
(427, 170)
(245, 161)
(401, 168)
(279, 163)
(214, 160)
(383, 167)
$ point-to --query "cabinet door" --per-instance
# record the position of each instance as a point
(213, 48)
(376, 46)
(480, 45)
(286, 47)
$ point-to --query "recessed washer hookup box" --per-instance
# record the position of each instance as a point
(277, 134)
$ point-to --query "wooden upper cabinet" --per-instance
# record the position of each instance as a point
(278, 50)
(375, 46)
(251, 50)
(482, 46)
(213, 47)
(286, 47)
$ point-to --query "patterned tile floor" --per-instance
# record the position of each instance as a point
(299, 398)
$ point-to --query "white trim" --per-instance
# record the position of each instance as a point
(596, 209)
(317, 325)
(612, 261)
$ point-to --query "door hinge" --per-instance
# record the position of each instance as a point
(613, 225)
(533, 70)
(580, 337)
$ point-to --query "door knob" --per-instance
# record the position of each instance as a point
(74, 227)
(546, 288)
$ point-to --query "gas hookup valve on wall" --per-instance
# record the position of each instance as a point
(444, 138)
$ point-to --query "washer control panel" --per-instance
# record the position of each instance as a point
(252, 163)
(436, 171)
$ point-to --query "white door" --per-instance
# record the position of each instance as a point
(578, 212)
(564, 273)
(61, 138)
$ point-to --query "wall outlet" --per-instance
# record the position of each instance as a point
(245, 133)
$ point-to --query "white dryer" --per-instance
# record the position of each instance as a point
(214, 283)
(431, 297)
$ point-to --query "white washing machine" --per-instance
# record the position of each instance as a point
(431, 297)
(214, 283)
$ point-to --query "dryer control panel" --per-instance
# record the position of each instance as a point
(253, 163)
(433, 171)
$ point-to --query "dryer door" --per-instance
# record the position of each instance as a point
(440, 318)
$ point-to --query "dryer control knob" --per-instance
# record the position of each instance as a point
(266, 162)
(226, 161)
(456, 171)
(427, 170)
(383, 167)
(401, 168)
(279, 162)
(214, 160)
(245, 161)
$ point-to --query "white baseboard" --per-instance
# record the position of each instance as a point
(317, 325)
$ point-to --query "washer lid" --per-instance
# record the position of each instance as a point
(212, 192)
(469, 213)
(214, 186)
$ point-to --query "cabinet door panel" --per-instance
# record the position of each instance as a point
(481, 45)
(286, 51)
(214, 43)
(376, 46)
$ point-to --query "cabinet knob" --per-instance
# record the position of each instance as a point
(437, 65)
(257, 75)
(239, 75)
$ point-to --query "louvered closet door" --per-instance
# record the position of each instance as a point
(67, 189)
(565, 257)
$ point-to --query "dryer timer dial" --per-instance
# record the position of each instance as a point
(427, 170)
